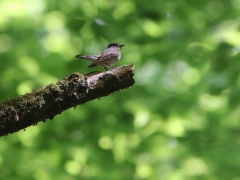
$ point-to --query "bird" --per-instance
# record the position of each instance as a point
(107, 59)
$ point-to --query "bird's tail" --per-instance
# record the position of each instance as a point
(90, 58)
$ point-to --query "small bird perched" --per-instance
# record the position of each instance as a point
(107, 59)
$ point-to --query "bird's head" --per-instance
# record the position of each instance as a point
(115, 44)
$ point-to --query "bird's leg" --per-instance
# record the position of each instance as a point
(107, 65)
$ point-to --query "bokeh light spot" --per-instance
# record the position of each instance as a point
(119, 148)
(123, 9)
(212, 103)
(105, 142)
(195, 166)
(24, 87)
(191, 76)
(29, 65)
(141, 118)
(73, 167)
(175, 127)
(144, 171)
(152, 28)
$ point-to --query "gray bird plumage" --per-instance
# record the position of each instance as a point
(107, 59)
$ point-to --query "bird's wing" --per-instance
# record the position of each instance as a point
(91, 58)
(106, 55)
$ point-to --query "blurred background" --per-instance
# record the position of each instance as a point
(180, 121)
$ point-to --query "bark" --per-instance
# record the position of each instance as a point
(48, 101)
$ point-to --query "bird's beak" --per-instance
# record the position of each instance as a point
(122, 45)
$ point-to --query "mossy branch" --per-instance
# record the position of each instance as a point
(70, 91)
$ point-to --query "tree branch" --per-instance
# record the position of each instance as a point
(70, 91)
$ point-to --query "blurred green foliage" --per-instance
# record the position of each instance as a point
(179, 121)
